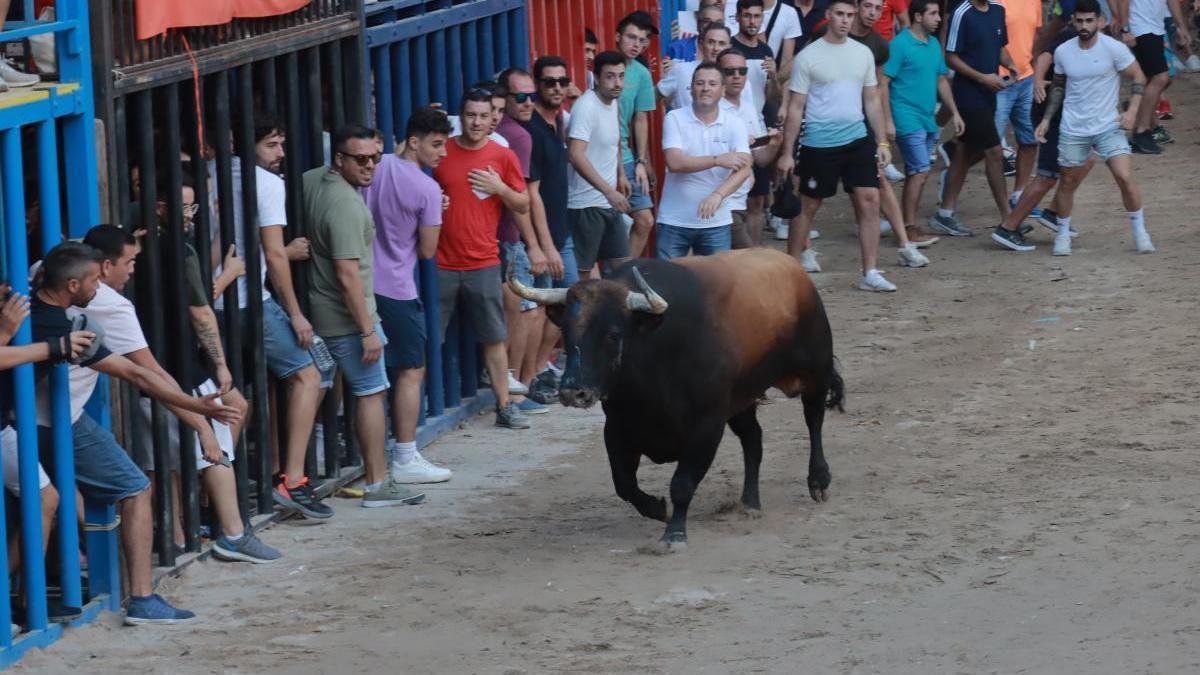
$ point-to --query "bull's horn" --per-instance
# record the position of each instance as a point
(542, 296)
(647, 300)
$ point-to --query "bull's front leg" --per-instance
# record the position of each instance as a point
(693, 464)
(624, 462)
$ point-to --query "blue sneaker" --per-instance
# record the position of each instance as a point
(153, 609)
(532, 407)
(247, 549)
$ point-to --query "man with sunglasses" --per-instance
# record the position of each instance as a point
(341, 296)
(635, 105)
(481, 180)
(747, 204)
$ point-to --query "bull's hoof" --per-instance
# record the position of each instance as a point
(673, 542)
(749, 512)
(819, 495)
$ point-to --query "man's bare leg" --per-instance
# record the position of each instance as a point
(639, 234)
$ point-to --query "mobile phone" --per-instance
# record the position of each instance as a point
(760, 141)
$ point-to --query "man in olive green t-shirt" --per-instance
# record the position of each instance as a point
(341, 294)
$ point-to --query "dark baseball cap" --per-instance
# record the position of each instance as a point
(640, 19)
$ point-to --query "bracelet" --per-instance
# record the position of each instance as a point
(368, 334)
(884, 145)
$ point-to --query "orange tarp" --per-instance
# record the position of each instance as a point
(157, 16)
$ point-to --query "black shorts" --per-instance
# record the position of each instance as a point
(980, 131)
(403, 323)
(1150, 54)
(1047, 159)
(820, 169)
(762, 181)
(598, 234)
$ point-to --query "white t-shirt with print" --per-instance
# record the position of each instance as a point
(1093, 85)
(683, 192)
(600, 126)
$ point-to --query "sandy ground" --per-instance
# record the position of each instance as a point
(1014, 492)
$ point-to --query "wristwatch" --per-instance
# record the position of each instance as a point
(1124, 29)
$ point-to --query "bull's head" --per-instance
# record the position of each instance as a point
(596, 318)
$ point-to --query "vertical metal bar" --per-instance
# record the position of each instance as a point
(122, 199)
(453, 53)
(163, 514)
(434, 385)
(79, 132)
(450, 362)
(203, 224)
(33, 565)
(316, 122)
(403, 95)
(485, 49)
(226, 205)
(420, 73)
(440, 79)
(173, 252)
(264, 77)
(503, 40)
(60, 386)
(337, 94)
(469, 359)
(254, 288)
(521, 43)
(470, 43)
(382, 69)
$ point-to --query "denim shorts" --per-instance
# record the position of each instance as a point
(364, 379)
(1074, 151)
(570, 268)
(915, 149)
(673, 241)
(404, 323)
(103, 470)
(285, 357)
(517, 257)
(1013, 104)
(638, 200)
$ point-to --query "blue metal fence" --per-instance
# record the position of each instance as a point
(43, 113)
(424, 52)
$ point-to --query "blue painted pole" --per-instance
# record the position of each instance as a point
(403, 92)
(521, 35)
(471, 47)
(420, 72)
(79, 134)
(450, 363)
(440, 90)
(10, 182)
(434, 385)
(33, 564)
(454, 68)
(382, 64)
(60, 385)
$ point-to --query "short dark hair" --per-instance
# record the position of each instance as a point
(266, 124)
(608, 58)
(109, 240)
(69, 260)
(714, 26)
(727, 52)
(590, 38)
(708, 65)
(919, 7)
(1087, 7)
(425, 121)
(162, 184)
(477, 93)
(635, 19)
(544, 62)
(743, 5)
(506, 75)
(342, 136)
(852, 3)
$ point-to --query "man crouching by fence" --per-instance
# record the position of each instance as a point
(103, 469)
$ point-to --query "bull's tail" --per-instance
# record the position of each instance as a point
(837, 389)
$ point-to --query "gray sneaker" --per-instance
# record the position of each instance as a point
(391, 493)
(15, 78)
(951, 226)
(511, 418)
(247, 549)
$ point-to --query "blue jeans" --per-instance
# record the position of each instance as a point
(1013, 104)
(285, 357)
(570, 266)
(103, 470)
(915, 149)
(364, 379)
(1074, 151)
(672, 241)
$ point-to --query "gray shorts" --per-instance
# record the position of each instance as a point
(477, 292)
(599, 234)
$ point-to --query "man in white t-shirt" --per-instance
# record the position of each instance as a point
(781, 26)
(1092, 65)
(1142, 25)
(707, 152)
(676, 86)
(597, 187)
(749, 212)
(833, 87)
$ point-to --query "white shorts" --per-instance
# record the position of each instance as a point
(146, 436)
(12, 483)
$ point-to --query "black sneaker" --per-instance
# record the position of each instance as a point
(1010, 167)
(1161, 136)
(301, 498)
(1143, 144)
(1024, 229)
(1049, 220)
(1011, 240)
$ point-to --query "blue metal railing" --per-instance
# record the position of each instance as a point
(47, 109)
(424, 52)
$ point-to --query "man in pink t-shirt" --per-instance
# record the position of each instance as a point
(407, 206)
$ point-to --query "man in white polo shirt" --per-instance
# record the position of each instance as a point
(748, 211)
(707, 152)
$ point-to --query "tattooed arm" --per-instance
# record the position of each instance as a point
(208, 334)
(1053, 105)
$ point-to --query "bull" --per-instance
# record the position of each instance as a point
(675, 350)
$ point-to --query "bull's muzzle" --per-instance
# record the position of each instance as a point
(577, 398)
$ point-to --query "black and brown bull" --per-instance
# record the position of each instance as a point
(676, 350)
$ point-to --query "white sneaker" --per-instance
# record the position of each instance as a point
(1062, 245)
(814, 234)
(808, 258)
(885, 226)
(515, 387)
(1142, 239)
(781, 229)
(1193, 63)
(554, 369)
(911, 257)
(419, 470)
(873, 281)
(14, 77)
(893, 174)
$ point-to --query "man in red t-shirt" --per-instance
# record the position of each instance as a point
(480, 179)
(893, 11)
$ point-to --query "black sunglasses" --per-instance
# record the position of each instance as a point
(730, 72)
(563, 82)
(521, 97)
(363, 159)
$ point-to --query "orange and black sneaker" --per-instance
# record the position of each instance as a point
(300, 497)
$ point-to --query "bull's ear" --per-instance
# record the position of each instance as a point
(555, 314)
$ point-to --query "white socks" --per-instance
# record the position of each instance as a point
(1138, 220)
(373, 486)
(946, 213)
(405, 452)
(1064, 226)
(1016, 196)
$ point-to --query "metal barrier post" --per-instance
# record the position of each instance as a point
(384, 115)
(435, 389)
(60, 386)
